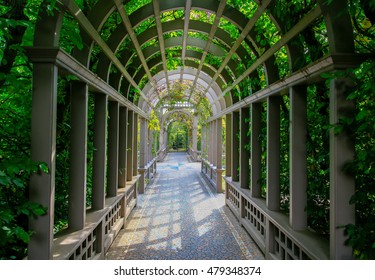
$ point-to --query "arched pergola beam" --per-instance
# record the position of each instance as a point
(188, 75)
(97, 16)
(185, 34)
(172, 43)
(214, 27)
(303, 23)
(129, 28)
(249, 26)
(210, 72)
(203, 81)
(196, 26)
(166, 115)
(192, 55)
(205, 7)
(233, 16)
(95, 36)
(115, 40)
(217, 88)
(160, 33)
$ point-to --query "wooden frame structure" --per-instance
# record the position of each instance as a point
(91, 231)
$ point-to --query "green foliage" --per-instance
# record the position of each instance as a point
(154, 122)
(178, 134)
(362, 128)
(317, 139)
(15, 208)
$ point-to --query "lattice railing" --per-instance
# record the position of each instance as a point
(286, 249)
(255, 217)
(101, 228)
(86, 249)
(271, 229)
(112, 217)
(233, 198)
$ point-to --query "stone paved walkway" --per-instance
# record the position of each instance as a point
(180, 217)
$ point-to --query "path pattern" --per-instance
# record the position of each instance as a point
(181, 218)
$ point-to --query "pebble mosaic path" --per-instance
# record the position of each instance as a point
(181, 218)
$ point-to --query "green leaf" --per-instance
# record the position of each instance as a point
(362, 115)
(44, 168)
(6, 216)
(39, 211)
(22, 234)
(18, 183)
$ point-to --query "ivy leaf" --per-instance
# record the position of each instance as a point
(4, 179)
(6, 217)
(22, 234)
(18, 183)
(43, 167)
(361, 115)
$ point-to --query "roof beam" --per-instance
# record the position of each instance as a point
(93, 33)
(307, 74)
(72, 66)
(159, 28)
(294, 31)
(214, 27)
(129, 28)
(186, 31)
(249, 26)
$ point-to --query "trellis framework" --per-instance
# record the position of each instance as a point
(133, 61)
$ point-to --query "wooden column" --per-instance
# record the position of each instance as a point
(122, 147)
(215, 140)
(273, 153)
(219, 155)
(228, 145)
(43, 149)
(78, 156)
(143, 153)
(342, 185)
(129, 156)
(113, 137)
(135, 144)
(209, 143)
(298, 155)
(235, 146)
(100, 152)
(195, 137)
(256, 150)
(244, 153)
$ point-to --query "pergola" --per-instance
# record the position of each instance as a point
(126, 68)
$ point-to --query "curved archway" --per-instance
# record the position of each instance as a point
(244, 74)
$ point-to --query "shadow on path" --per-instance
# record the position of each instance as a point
(179, 217)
